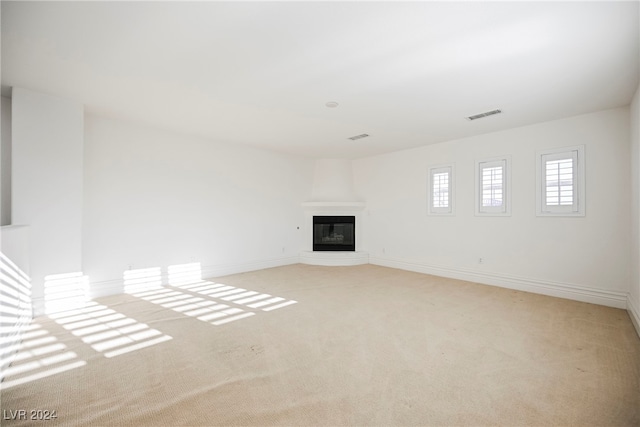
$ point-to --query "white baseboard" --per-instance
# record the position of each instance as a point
(225, 270)
(634, 313)
(555, 289)
(116, 286)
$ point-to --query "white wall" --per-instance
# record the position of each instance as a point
(333, 181)
(14, 244)
(5, 165)
(104, 196)
(634, 294)
(15, 291)
(155, 199)
(47, 143)
(584, 258)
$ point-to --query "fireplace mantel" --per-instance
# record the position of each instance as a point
(335, 206)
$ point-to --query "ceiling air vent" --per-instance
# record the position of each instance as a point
(364, 135)
(486, 114)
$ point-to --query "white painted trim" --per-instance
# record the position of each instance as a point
(544, 287)
(449, 168)
(225, 270)
(505, 209)
(116, 286)
(556, 289)
(334, 258)
(339, 206)
(634, 314)
(579, 185)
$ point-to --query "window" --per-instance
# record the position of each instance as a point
(441, 190)
(560, 182)
(492, 187)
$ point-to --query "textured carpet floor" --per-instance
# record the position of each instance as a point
(307, 345)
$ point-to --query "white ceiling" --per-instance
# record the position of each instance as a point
(260, 73)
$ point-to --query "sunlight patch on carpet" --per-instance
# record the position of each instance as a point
(108, 331)
(40, 355)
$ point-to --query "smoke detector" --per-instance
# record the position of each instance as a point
(485, 114)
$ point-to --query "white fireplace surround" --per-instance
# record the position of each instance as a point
(333, 195)
(309, 256)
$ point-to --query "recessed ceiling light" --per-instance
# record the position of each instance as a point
(331, 104)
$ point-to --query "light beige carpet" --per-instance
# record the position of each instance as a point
(329, 346)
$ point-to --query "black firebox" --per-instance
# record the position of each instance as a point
(334, 233)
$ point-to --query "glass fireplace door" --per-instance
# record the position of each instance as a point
(334, 233)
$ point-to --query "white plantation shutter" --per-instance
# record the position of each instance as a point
(492, 186)
(561, 182)
(492, 198)
(441, 190)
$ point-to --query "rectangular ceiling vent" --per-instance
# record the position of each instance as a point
(364, 135)
(482, 115)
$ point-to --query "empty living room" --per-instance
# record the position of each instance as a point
(320, 213)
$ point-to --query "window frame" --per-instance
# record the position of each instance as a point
(577, 154)
(505, 208)
(441, 211)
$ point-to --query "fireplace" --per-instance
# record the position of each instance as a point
(334, 233)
